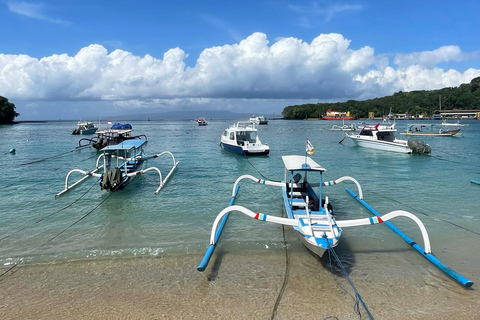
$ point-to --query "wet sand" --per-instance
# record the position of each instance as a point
(237, 285)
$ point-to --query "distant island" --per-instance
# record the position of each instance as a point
(415, 103)
(7, 111)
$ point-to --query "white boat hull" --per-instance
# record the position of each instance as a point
(399, 146)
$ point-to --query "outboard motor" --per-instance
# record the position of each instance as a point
(111, 179)
(418, 146)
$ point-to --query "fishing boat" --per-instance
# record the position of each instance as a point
(310, 214)
(382, 137)
(260, 120)
(120, 164)
(84, 127)
(453, 124)
(344, 127)
(117, 133)
(242, 138)
(337, 115)
(202, 122)
(430, 130)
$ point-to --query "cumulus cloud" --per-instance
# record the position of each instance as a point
(430, 59)
(326, 69)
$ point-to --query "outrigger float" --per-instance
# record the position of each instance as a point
(311, 215)
(121, 164)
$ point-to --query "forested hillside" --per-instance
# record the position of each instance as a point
(466, 96)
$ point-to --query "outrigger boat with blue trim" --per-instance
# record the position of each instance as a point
(121, 164)
(117, 133)
(311, 215)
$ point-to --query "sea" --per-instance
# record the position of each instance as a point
(90, 224)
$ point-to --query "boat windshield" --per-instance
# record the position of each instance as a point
(385, 136)
(250, 136)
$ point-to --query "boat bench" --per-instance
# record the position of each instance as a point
(297, 202)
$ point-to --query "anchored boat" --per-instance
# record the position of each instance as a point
(261, 120)
(116, 134)
(382, 137)
(430, 130)
(242, 138)
(311, 215)
(202, 122)
(344, 127)
(84, 127)
(121, 164)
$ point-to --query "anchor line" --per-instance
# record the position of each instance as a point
(452, 161)
(49, 215)
(426, 214)
(358, 299)
(58, 234)
(83, 217)
(286, 274)
(258, 171)
(40, 160)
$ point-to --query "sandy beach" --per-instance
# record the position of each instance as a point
(238, 286)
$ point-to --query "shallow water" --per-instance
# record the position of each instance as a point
(35, 227)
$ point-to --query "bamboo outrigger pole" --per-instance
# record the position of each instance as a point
(429, 256)
(206, 258)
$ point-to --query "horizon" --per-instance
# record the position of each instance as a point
(249, 57)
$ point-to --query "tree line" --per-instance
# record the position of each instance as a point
(414, 103)
(7, 111)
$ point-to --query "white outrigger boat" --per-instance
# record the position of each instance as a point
(242, 138)
(116, 134)
(344, 127)
(311, 215)
(121, 164)
(430, 130)
(382, 137)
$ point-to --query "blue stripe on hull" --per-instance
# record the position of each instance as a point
(239, 150)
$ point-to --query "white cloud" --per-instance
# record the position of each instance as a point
(326, 69)
(430, 59)
(31, 10)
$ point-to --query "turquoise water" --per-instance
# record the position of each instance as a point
(34, 226)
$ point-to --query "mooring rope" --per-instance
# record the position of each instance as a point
(357, 298)
(258, 171)
(58, 234)
(51, 157)
(49, 215)
(285, 277)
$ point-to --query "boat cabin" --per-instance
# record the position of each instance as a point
(378, 133)
(300, 191)
(242, 133)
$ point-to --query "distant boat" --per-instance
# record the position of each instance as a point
(336, 115)
(437, 117)
(382, 137)
(85, 127)
(242, 138)
(453, 124)
(117, 133)
(430, 130)
(202, 122)
(344, 127)
(258, 120)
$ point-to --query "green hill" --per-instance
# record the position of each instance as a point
(464, 97)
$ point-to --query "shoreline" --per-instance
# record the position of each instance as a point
(236, 285)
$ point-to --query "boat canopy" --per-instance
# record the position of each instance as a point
(297, 163)
(125, 145)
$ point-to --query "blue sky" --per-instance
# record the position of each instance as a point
(77, 59)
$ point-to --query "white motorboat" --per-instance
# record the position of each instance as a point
(382, 137)
(242, 138)
(258, 120)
